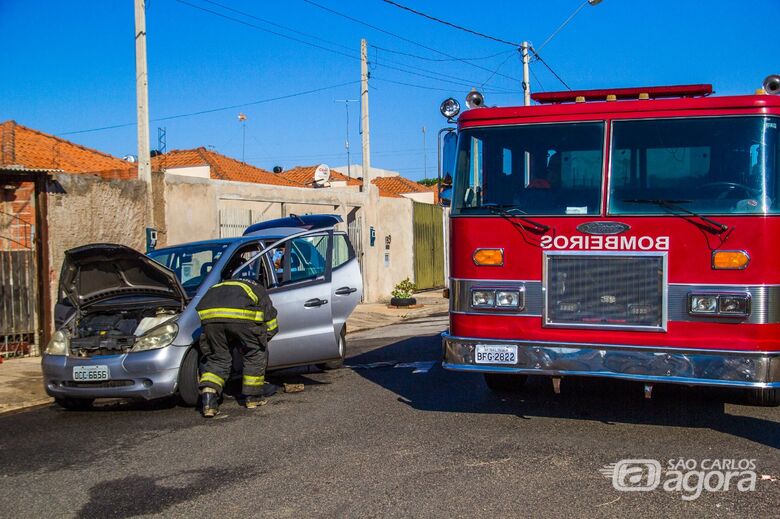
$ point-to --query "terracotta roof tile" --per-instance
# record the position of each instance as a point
(304, 175)
(397, 186)
(221, 167)
(27, 148)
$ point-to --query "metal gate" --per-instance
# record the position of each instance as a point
(428, 246)
(18, 286)
(355, 233)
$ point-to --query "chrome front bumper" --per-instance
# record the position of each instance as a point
(144, 375)
(647, 364)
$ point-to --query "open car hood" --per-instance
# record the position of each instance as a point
(101, 271)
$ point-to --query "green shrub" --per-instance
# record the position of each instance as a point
(404, 289)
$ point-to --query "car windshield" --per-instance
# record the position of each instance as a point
(536, 169)
(190, 263)
(725, 165)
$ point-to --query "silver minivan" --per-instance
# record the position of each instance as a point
(127, 325)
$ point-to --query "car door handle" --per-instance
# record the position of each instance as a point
(345, 291)
(311, 303)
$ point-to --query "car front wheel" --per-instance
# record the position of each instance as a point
(188, 379)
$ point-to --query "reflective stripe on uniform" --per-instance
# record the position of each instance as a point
(272, 324)
(253, 381)
(230, 313)
(211, 377)
(247, 289)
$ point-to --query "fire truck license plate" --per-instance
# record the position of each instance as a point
(495, 354)
(90, 373)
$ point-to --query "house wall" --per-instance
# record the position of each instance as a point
(192, 212)
(425, 197)
(193, 171)
(84, 209)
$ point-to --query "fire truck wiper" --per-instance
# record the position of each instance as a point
(510, 211)
(717, 227)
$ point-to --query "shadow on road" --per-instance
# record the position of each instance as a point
(138, 495)
(581, 398)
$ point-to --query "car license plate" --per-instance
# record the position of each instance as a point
(495, 354)
(90, 373)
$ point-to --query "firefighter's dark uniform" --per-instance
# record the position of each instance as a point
(236, 311)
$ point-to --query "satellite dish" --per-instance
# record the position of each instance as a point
(129, 158)
(321, 174)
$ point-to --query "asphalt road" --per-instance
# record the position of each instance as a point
(387, 441)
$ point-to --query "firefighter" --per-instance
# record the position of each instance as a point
(235, 312)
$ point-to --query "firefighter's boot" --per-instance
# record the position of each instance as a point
(269, 389)
(210, 401)
(253, 401)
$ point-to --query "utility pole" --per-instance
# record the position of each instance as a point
(142, 102)
(425, 156)
(346, 143)
(526, 74)
(364, 130)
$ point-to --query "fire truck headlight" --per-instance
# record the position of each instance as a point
(734, 304)
(508, 299)
(483, 298)
(703, 304)
(450, 108)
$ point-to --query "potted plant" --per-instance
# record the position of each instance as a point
(402, 294)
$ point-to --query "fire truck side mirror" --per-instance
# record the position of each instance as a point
(448, 152)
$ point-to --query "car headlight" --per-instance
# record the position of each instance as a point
(58, 345)
(156, 338)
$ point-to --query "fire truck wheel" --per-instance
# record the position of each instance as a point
(765, 397)
(501, 383)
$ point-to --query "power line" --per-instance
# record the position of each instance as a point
(426, 58)
(402, 38)
(461, 81)
(212, 110)
(281, 35)
(450, 24)
(538, 57)
(495, 71)
(270, 22)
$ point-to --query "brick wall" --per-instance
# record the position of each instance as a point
(17, 215)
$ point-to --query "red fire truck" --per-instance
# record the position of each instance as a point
(628, 233)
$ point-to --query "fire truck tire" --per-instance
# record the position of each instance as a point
(765, 397)
(502, 383)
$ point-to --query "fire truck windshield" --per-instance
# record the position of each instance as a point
(540, 169)
(725, 165)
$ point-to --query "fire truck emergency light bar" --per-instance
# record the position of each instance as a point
(613, 94)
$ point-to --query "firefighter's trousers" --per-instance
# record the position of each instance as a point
(215, 345)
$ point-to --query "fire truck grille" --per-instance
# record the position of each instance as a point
(605, 291)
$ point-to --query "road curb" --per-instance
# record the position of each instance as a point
(25, 406)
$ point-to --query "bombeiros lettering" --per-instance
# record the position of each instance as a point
(616, 243)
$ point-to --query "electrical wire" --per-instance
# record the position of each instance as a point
(220, 109)
(450, 24)
(402, 38)
(281, 35)
(538, 57)
(495, 71)
(460, 81)
(426, 58)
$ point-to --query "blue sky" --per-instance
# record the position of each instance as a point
(69, 66)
